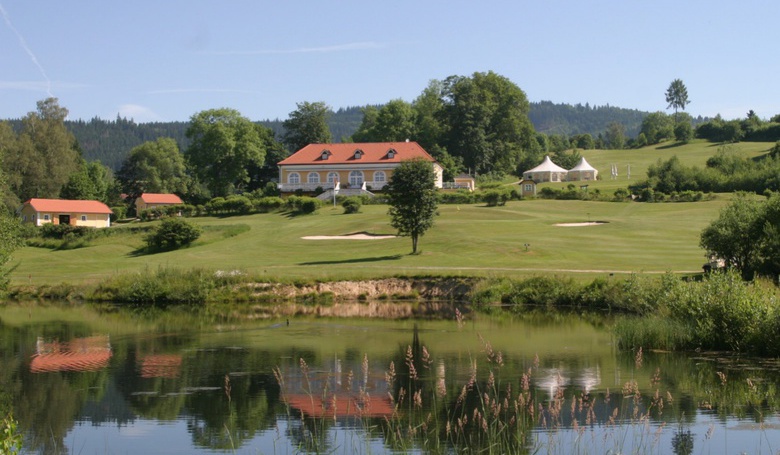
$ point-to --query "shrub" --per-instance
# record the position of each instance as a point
(457, 197)
(309, 205)
(173, 233)
(496, 197)
(351, 205)
(303, 204)
(61, 231)
(119, 212)
(269, 204)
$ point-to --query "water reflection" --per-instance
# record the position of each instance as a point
(78, 354)
(200, 387)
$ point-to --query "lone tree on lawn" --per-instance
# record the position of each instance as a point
(677, 96)
(411, 194)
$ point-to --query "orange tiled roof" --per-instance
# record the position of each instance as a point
(160, 198)
(69, 206)
(344, 153)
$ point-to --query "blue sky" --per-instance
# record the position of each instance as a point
(167, 60)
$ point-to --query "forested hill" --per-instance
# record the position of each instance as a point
(110, 140)
(567, 120)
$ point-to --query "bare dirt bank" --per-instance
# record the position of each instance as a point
(391, 298)
(389, 288)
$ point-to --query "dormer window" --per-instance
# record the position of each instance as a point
(325, 154)
(358, 154)
(391, 153)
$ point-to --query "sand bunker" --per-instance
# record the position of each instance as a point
(355, 236)
(589, 223)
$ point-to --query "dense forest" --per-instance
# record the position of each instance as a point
(109, 141)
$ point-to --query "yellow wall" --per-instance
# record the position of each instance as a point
(96, 220)
(368, 175)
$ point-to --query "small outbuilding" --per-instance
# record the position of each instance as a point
(527, 188)
(582, 171)
(546, 172)
(464, 181)
(151, 200)
(64, 211)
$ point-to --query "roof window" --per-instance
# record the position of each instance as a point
(358, 154)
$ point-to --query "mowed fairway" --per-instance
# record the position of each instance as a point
(466, 240)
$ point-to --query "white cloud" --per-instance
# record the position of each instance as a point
(139, 114)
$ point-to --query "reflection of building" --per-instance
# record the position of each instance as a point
(79, 354)
(340, 404)
(551, 380)
(589, 379)
(337, 394)
(160, 366)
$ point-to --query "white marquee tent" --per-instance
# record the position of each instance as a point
(546, 172)
(582, 171)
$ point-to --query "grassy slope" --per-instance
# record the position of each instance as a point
(466, 240)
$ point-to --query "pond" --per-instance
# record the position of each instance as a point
(83, 380)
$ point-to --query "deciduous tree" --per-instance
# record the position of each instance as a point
(657, 127)
(308, 124)
(393, 122)
(616, 136)
(487, 120)
(411, 195)
(154, 167)
(44, 155)
(734, 237)
(224, 145)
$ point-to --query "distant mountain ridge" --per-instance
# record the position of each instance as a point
(111, 140)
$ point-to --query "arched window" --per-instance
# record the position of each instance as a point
(294, 178)
(356, 178)
(333, 177)
(379, 176)
(314, 177)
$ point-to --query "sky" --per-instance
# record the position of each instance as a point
(168, 60)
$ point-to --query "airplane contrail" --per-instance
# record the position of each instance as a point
(27, 49)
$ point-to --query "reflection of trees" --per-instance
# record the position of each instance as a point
(229, 411)
(45, 404)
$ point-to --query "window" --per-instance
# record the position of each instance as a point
(529, 187)
(356, 178)
(333, 177)
(379, 176)
(358, 154)
(46, 217)
(294, 178)
(314, 177)
(325, 154)
(391, 153)
(83, 217)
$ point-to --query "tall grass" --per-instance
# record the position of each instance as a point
(492, 412)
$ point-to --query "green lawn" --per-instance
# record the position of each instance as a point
(466, 239)
(694, 153)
